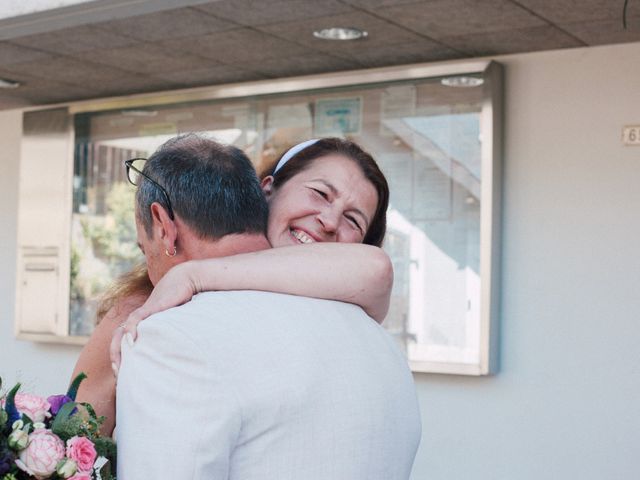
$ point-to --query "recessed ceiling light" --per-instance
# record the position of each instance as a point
(462, 81)
(4, 83)
(340, 33)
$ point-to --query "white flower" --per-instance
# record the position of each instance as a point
(18, 440)
(66, 467)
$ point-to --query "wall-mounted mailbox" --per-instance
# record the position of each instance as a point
(37, 310)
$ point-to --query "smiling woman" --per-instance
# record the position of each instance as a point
(331, 191)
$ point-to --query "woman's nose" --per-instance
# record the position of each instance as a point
(329, 220)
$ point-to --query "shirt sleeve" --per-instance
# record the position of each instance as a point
(175, 415)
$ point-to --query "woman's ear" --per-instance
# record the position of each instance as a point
(267, 186)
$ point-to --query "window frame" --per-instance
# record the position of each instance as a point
(490, 213)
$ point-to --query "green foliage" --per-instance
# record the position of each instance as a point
(114, 235)
(73, 388)
(105, 447)
(92, 422)
(67, 424)
(75, 270)
(28, 423)
(107, 472)
(106, 247)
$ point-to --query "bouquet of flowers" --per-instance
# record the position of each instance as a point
(53, 438)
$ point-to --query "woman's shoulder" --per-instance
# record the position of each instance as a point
(122, 308)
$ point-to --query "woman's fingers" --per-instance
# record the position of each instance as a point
(128, 330)
(131, 325)
(114, 348)
(168, 293)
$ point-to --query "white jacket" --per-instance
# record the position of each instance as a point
(252, 385)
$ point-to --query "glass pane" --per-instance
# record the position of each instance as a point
(103, 236)
(426, 136)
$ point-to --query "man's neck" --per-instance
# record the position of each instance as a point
(196, 248)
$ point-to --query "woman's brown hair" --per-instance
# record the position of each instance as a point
(135, 283)
(337, 146)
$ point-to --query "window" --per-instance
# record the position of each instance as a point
(435, 134)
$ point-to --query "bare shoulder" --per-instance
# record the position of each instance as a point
(119, 312)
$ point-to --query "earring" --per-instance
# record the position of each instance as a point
(175, 251)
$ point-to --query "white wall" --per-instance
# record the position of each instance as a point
(42, 368)
(565, 404)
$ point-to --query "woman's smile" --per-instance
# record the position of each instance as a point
(329, 201)
(301, 236)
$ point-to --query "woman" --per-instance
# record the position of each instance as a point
(327, 194)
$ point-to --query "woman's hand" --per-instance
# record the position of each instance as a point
(174, 288)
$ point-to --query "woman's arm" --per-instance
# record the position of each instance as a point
(99, 388)
(347, 272)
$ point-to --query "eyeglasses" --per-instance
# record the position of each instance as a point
(134, 172)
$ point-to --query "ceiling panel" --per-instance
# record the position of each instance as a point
(380, 34)
(606, 31)
(209, 76)
(265, 12)
(230, 41)
(372, 5)
(40, 90)
(514, 41)
(571, 11)
(143, 58)
(11, 54)
(237, 47)
(413, 52)
(73, 40)
(132, 83)
(183, 22)
(450, 18)
(69, 71)
(305, 65)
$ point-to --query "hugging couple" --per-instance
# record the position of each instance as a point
(275, 365)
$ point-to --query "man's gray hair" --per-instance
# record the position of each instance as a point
(212, 187)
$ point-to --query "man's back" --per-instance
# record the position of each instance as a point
(254, 385)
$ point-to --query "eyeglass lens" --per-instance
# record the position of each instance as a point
(134, 171)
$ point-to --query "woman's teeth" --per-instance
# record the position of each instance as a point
(302, 237)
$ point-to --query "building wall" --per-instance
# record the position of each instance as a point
(565, 403)
(42, 368)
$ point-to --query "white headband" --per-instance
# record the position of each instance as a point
(292, 152)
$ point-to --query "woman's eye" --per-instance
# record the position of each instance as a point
(354, 222)
(321, 193)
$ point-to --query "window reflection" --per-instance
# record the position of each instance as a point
(426, 138)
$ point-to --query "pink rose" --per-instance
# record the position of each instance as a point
(36, 408)
(42, 454)
(82, 450)
(80, 476)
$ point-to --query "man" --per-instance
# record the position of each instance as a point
(245, 384)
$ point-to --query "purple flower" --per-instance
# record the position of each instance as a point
(7, 459)
(57, 401)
